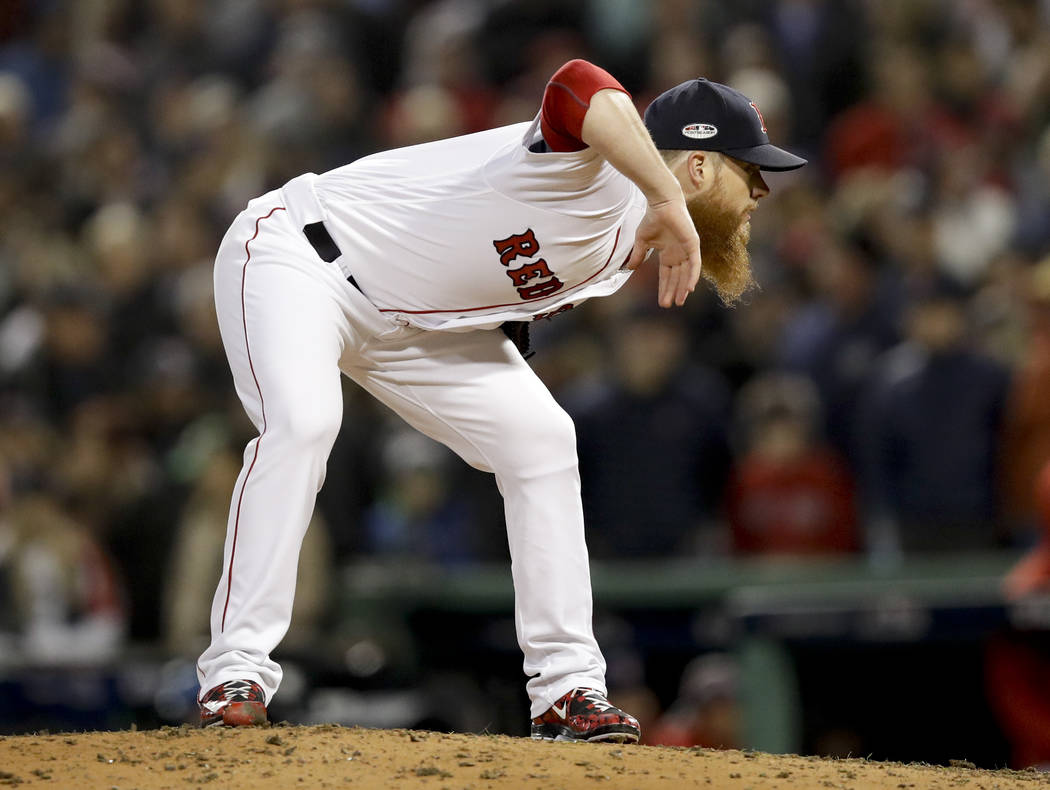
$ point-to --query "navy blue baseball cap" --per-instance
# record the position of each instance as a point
(700, 115)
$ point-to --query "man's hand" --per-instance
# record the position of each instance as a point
(668, 229)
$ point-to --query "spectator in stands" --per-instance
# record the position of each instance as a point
(441, 58)
(1026, 438)
(1033, 192)
(658, 405)
(195, 563)
(836, 337)
(1016, 666)
(707, 711)
(790, 493)
(64, 604)
(896, 124)
(934, 436)
(1017, 660)
(973, 215)
(418, 515)
(75, 362)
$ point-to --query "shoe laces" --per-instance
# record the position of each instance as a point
(237, 690)
(597, 699)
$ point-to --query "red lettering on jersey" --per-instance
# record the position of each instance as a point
(529, 271)
(540, 290)
(520, 244)
(564, 308)
(525, 244)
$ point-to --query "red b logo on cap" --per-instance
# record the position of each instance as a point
(761, 120)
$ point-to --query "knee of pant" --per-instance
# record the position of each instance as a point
(537, 443)
(311, 426)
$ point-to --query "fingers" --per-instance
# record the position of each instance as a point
(678, 278)
(689, 276)
(682, 287)
(682, 291)
(669, 230)
(668, 285)
(663, 296)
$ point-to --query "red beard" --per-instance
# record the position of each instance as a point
(723, 249)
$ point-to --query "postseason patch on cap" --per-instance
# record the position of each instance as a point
(699, 131)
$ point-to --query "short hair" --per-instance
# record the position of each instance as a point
(673, 156)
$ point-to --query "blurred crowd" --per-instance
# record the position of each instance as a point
(882, 393)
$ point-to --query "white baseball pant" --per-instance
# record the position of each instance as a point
(290, 323)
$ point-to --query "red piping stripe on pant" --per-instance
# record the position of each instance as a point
(262, 406)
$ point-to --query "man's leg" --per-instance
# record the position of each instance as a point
(283, 334)
(473, 392)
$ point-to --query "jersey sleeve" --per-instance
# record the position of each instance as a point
(565, 102)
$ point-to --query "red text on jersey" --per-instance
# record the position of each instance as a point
(525, 245)
(552, 313)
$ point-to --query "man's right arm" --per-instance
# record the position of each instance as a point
(613, 128)
(585, 106)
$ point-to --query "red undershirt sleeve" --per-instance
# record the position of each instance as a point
(565, 102)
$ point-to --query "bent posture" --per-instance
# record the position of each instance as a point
(398, 271)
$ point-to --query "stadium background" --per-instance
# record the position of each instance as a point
(813, 561)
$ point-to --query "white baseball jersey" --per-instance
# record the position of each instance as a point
(469, 232)
(454, 235)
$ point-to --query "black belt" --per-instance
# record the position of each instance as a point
(323, 243)
(321, 240)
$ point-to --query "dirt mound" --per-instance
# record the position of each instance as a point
(332, 756)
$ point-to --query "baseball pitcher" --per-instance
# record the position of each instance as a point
(398, 270)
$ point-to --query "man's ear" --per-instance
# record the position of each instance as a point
(699, 165)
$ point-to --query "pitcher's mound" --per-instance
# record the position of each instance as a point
(331, 756)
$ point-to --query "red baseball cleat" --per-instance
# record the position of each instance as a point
(586, 715)
(235, 703)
